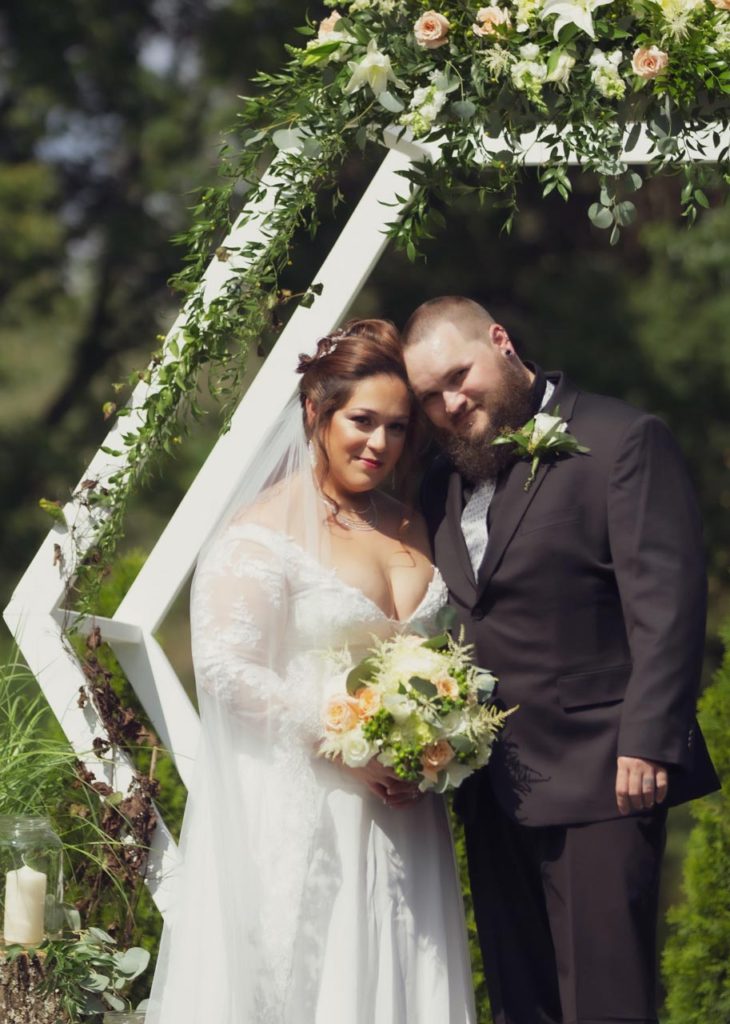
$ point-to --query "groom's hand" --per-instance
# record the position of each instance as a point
(640, 784)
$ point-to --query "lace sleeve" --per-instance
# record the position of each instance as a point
(238, 622)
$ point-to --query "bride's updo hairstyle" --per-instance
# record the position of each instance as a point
(356, 351)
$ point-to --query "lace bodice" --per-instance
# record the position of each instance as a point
(266, 615)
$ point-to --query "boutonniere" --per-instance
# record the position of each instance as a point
(542, 437)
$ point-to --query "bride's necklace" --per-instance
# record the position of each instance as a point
(365, 520)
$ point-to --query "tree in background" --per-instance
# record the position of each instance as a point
(697, 955)
(109, 119)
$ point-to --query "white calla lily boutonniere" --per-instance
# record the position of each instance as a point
(542, 437)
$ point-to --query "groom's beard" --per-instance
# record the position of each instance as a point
(510, 407)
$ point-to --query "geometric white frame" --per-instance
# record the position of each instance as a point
(34, 614)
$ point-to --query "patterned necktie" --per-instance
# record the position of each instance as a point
(474, 516)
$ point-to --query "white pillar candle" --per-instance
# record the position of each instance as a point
(25, 904)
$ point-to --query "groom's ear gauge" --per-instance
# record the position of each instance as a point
(498, 336)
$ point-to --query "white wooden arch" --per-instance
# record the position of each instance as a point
(35, 614)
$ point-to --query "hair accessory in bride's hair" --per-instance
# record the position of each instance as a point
(325, 346)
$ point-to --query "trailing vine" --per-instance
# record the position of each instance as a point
(577, 73)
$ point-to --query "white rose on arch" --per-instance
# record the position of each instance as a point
(560, 73)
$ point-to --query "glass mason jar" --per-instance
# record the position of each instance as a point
(31, 880)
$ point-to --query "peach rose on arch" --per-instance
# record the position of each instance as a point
(341, 714)
(327, 25)
(489, 19)
(649, 61)
(722, 5)
(431, 30)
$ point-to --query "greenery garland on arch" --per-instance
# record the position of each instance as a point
(577, 73)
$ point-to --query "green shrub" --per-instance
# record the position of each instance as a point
(696, 961)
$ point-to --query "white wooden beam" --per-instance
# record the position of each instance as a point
(705, 145)
(341, 276)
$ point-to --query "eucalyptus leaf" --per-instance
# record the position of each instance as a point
(437, 643)
(600, 215)
(115, 1002)
(360, 675)
(485, 686)
(464, 109)
(133, 961)
(95, 982)
(423, 686)
(462, 744)
(100, 937)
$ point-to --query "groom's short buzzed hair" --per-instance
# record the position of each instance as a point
(468, 316)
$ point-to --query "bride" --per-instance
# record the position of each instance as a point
(308, 892)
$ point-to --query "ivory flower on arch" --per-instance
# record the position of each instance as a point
(572, 12)
(374, 70)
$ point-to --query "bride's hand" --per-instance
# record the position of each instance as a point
(386, 785)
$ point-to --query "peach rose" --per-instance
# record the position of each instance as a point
(435, 757)
(341, 714)
(327, 25)
(723, 5)
(446, 686)
(368, 701)
(649, 61)
(488, 18)
(431, 30)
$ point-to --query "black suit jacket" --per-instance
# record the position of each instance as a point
(590, 608)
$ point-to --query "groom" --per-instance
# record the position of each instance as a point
(584, 592)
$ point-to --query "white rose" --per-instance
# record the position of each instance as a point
(400, 706)
(530, 51)
(355, 749)
(561, 72)
(414, 661)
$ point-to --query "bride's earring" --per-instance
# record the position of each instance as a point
(312, 453)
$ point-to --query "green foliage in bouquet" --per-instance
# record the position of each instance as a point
(697, 953)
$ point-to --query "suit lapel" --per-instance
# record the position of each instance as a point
(452, 555)
(511, 500)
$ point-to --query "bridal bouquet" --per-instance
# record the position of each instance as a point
(420, 706)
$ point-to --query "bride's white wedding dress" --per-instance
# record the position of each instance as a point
(303, 898)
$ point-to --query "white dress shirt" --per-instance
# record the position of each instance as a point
(474, 516)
